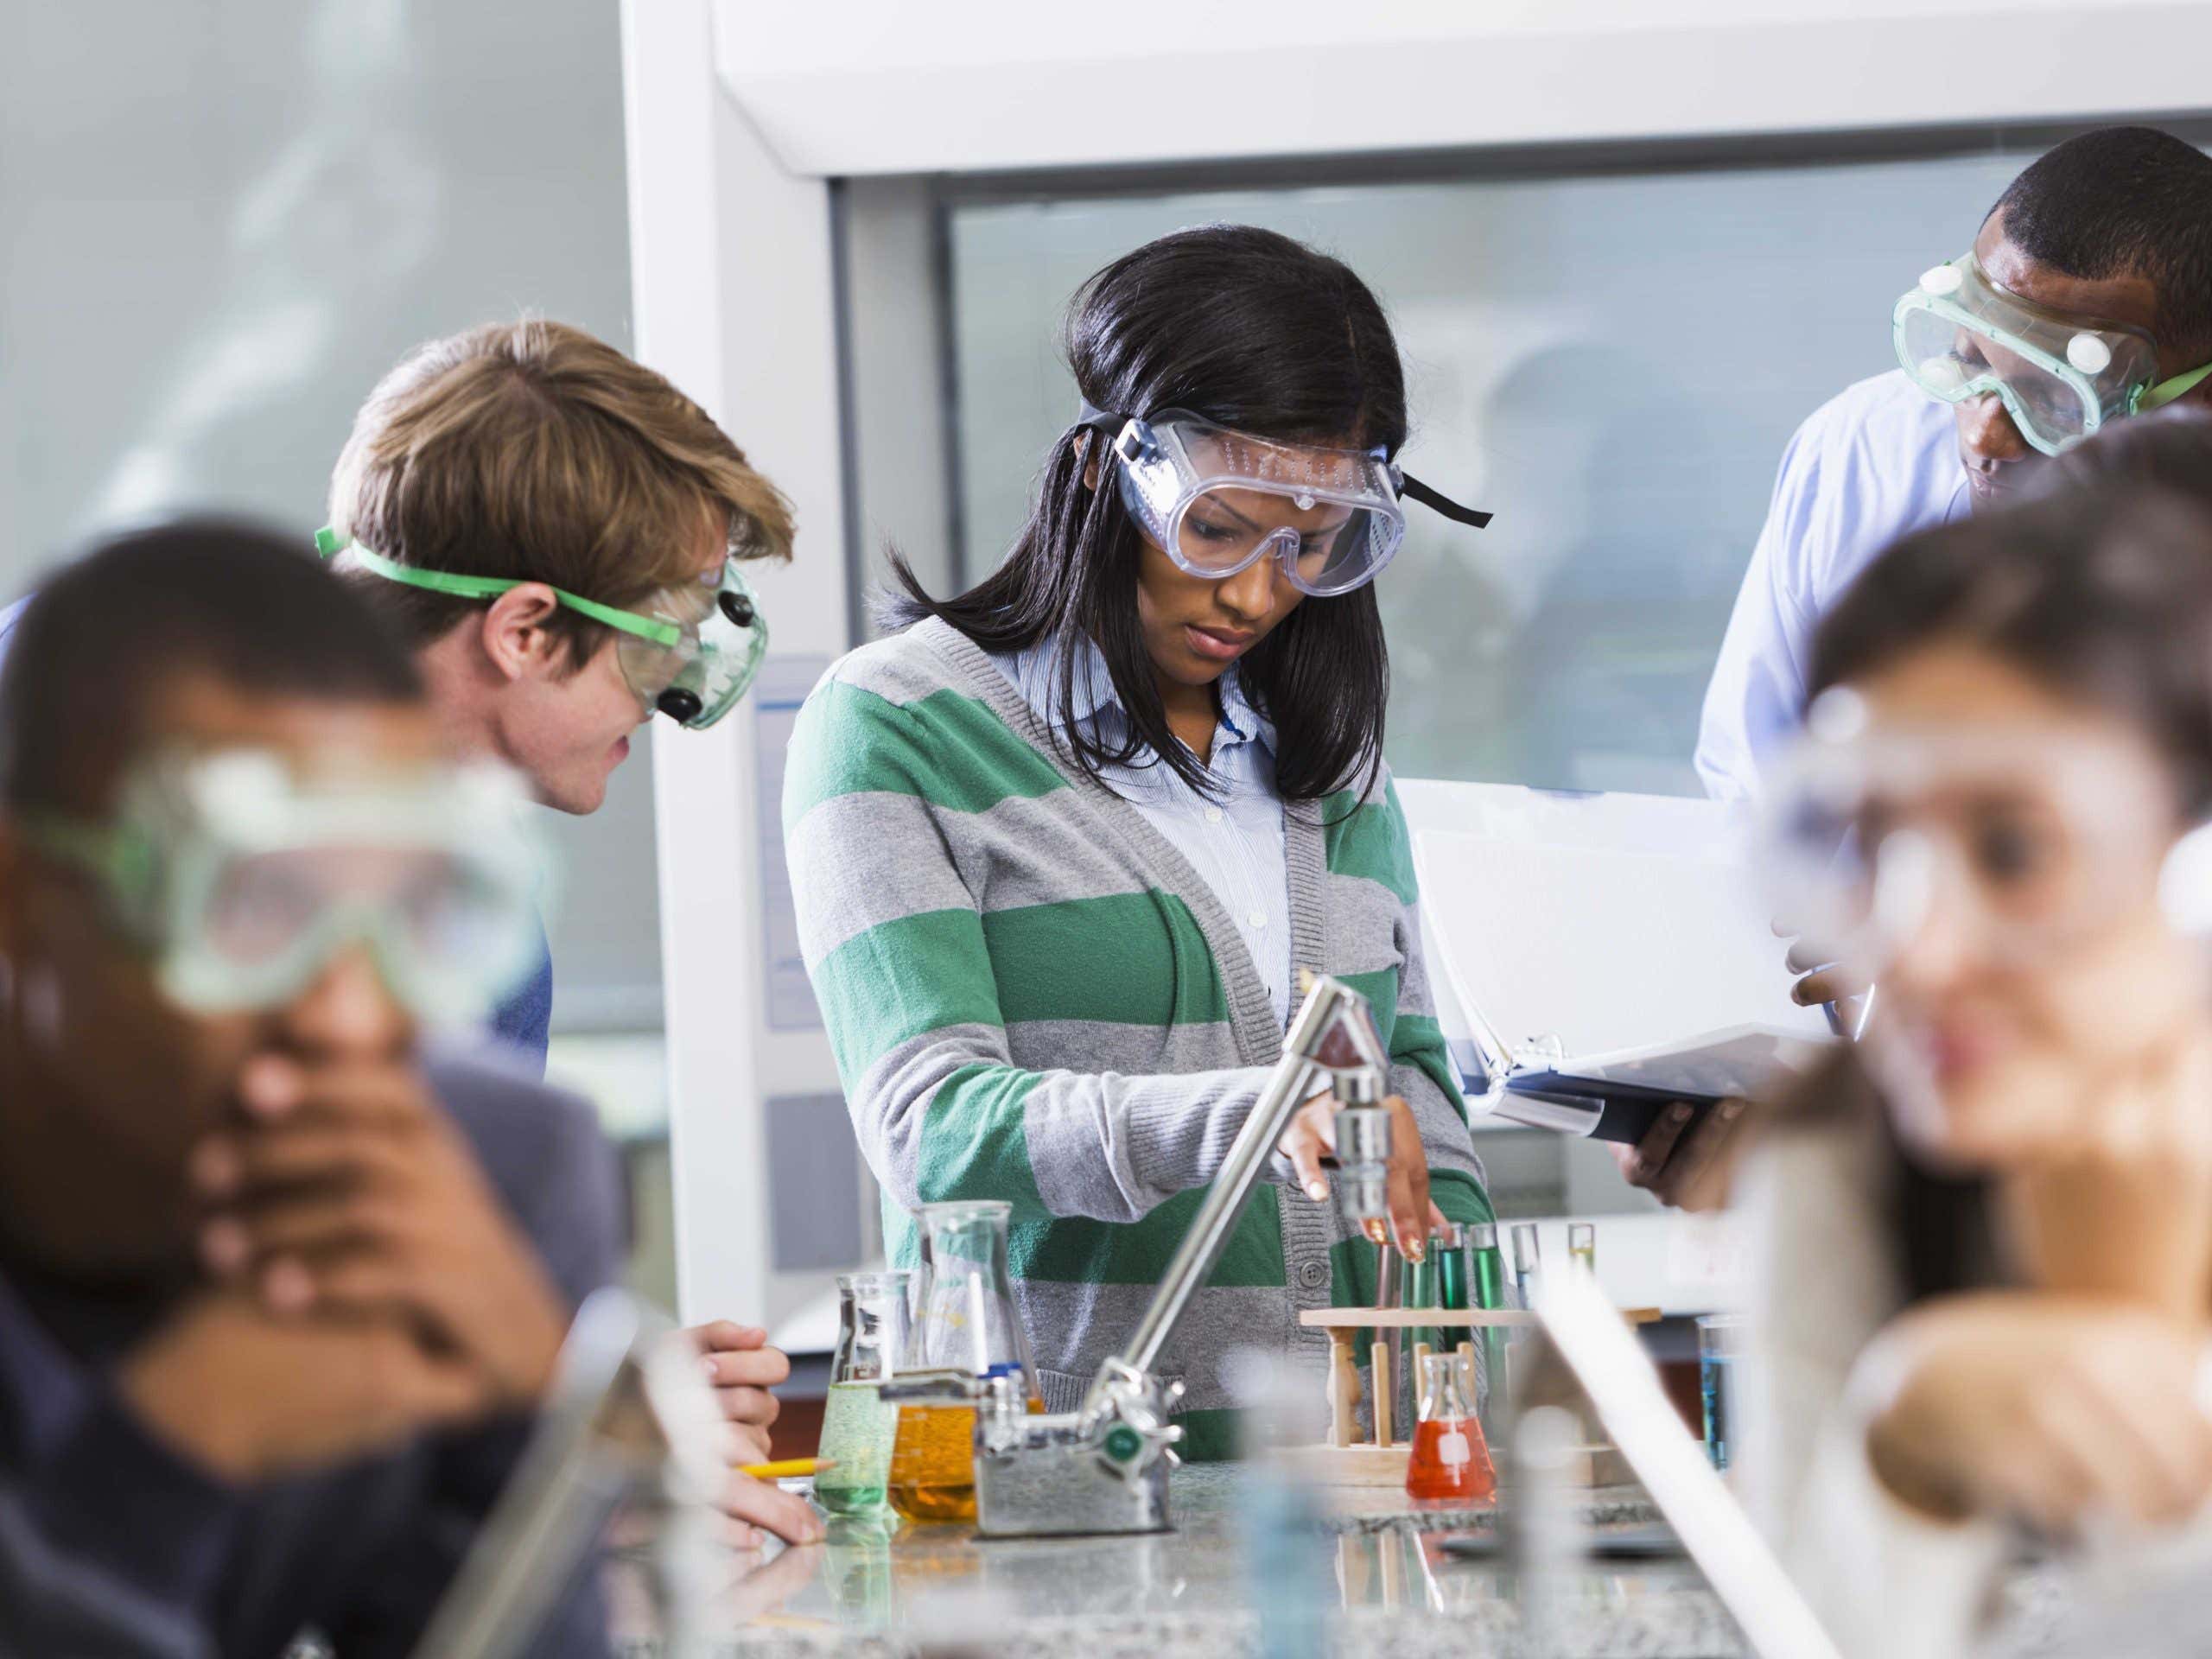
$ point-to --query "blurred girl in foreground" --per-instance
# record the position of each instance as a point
(1987, 1232)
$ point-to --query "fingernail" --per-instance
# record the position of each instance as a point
(215, 1168)
(1678, 1114)
(1317, 1191)
(1729, 1111)
(224, 1244)
(1418, 1250)
(713, 1371)
(269, 1086)
(287, 1285)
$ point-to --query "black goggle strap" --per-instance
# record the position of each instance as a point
(1475, 518)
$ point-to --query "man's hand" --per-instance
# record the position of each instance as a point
(1681, 1162)
(248, 1395)
(743, 1367)
(1313, 1135)
(350, 1192)
(1821, 982)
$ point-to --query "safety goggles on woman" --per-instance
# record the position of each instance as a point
(1213, 500)
(2025, 839)
(241, 878)
(1959, 336)
(690, 652)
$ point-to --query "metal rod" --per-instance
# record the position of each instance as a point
(1285, 1090)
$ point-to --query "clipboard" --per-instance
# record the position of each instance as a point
(1596, 957)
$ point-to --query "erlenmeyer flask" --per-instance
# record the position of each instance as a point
(1450, 1461)
(858, 1428)
(969, 1324)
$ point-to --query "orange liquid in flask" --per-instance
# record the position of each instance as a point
(933, 1463)
(1450, 1462)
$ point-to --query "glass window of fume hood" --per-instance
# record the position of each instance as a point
(1610, 361)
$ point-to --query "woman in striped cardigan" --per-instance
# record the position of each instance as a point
(1059, 844)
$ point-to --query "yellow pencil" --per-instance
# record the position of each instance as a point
(787, 1468)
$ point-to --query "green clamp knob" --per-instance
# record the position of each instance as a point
(1123, 1443)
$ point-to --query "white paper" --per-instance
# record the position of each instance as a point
(1626, 926)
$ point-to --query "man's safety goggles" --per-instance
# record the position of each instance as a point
(1959, 336)
(242, 878)
(691, 652)
(2024, 840)
(1217, 501)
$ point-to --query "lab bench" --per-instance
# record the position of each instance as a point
(1373, 1573)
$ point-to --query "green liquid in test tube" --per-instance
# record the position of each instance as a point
(1486, 1262)
(1450, 1249)
(1421, 1292)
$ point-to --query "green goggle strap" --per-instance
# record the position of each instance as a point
(119, 859)
(329, 544)
(2179, 385)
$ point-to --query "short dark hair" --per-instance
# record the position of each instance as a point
(1255, 332)
(2102, 595)
(2125, 201)
(106, 633)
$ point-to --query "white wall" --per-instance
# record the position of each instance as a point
(731, 274)
(880, 86)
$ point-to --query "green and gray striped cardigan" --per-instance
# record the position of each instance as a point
(1033, 997)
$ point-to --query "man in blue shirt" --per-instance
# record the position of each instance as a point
(2113, 227)
(2109, 228)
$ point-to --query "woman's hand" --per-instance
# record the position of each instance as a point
(2054, 1408)
(1312, 1136)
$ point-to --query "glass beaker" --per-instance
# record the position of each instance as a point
(858, 1428)
(969, 1326)
(1450, 1462)
(1720, 1339)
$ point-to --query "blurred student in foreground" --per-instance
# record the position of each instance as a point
(1985, 1234)
(277, 1293)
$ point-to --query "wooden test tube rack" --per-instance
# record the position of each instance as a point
(1382, 1460)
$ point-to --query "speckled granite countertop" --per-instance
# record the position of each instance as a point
(1371, 1578)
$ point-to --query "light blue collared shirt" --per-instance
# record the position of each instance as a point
(1235, 841)
(1876, 462)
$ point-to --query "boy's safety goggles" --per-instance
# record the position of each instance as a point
(2024, 840)
(1217, 501)
(242, 878)
(691, 652)
(1959, 336)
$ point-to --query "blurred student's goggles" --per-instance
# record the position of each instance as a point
(242, 878)
(1959, 336)
(690, 653)
(1212, 500)
(2027, 839)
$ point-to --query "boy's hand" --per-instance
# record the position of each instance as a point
(348, 1192)
(743, 1369)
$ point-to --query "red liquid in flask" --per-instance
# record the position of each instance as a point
(1451, 1463)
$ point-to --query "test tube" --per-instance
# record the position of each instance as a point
(1526, 1262)
(1582, 1245)
(1487, 1268)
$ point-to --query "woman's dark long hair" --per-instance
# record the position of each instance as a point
(2101, 592)
(1256, 332)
